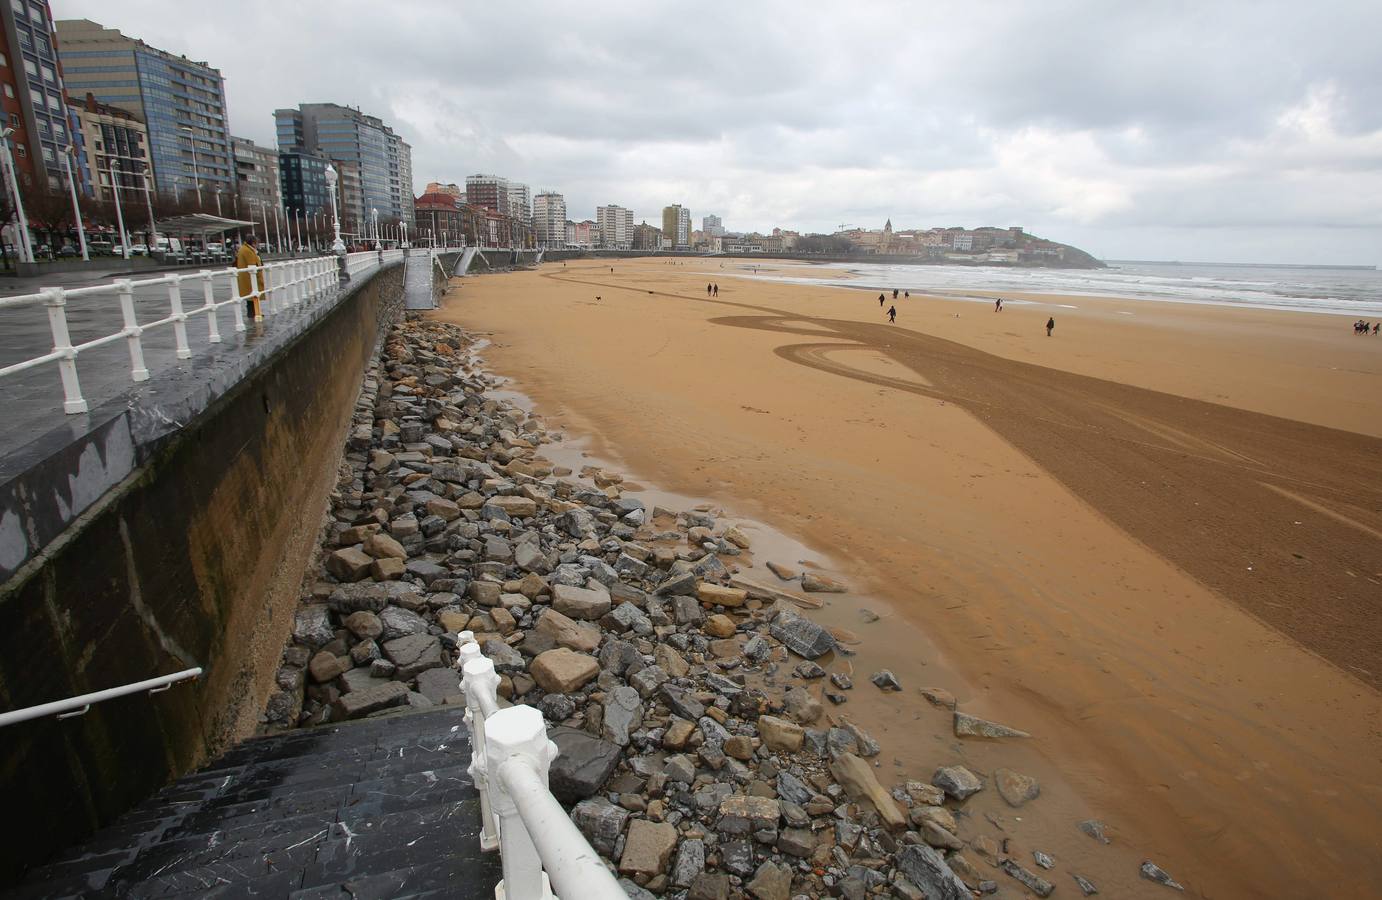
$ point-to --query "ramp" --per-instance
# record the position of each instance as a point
(417, 281)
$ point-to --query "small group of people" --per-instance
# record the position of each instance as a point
(1362, 327)
(712, 290)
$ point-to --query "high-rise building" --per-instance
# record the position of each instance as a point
(114, 136)
(382, 161)
(256, 173)
(549, 219)
(302, 183)
(676, 226)
(616, 227)
(520, 202)
(182, 103)
(712, 226)
(35, 102)
(489, 192)
(405, 179)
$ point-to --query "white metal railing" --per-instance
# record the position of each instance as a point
(76, 706)
(286, 285)
(540, 848)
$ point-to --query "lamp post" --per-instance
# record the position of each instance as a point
(26, 252)
(196, 176)
(338, 245)
(278, 230)
(68, 151)
(149, 205)
(374, 220)
(119, 213)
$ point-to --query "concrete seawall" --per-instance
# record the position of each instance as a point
(156, 541)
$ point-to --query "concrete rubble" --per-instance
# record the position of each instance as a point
(694, 749)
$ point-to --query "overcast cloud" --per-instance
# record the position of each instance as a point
(1235, 131)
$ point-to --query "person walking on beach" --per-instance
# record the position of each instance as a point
(906, 295)
(880, 301)
(707, 290)
(894, 293)
(717, 290)
(1050, 325)
(998, 305)
(892, 315)
(246, 256)
(1376, 328)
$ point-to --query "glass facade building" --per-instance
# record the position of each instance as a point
(181, 102)
(381, 160)
(303, 180)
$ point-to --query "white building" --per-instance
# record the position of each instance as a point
(549, 219)
(712, 227)
(616, 227)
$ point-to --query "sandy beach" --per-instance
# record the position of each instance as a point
(1153, 540)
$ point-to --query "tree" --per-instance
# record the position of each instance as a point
(49, 213)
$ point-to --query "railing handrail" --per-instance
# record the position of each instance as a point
(76, 706)
(539, 846)
(286, 284)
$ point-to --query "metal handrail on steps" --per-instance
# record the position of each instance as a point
(540, 848)
(76, 706)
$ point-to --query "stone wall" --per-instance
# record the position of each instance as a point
(193, 558)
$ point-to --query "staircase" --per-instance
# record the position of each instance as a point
(371, 809)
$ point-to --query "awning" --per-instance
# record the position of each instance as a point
(201, 225)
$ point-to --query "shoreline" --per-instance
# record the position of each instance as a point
(1102, 771)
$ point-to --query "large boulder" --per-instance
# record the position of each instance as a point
(362, 703)
(312, 625)
(562, 671)
(580, 603)
(583, 764)
(601, 822)
(801, 636)
(566, 632)
(925, 868)
(413, 654)
(647, 848)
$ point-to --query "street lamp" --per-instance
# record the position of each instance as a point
(338, 245)
(26, 253)
(119, 213)
(374, 218)
(196, 176)
(68, 151)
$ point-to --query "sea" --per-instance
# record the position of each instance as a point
(1340, 290)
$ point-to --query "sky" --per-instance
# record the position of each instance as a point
(1195, 131)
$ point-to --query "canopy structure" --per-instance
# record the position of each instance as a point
(200, 225)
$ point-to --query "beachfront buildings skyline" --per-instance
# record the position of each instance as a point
(256, 174)
(180, 101)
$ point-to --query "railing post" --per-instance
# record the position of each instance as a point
(342, 268)
(213, 328)
(479, 679)
(239, 304)
(56, 301)
(178, 316)
(517, 735)
(125, 290)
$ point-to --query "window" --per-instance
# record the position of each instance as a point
(38, 97)
(49, 75)
(20, 7)
(21, 150)
(53, 183)
(4, 60)
(9, 91)
(48, 154)
(14, 117)
(31, 67)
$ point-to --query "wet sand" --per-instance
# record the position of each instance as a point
(1177, 597)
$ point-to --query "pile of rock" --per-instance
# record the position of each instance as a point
(695, 752)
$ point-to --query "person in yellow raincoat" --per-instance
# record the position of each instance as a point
(247, 256)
